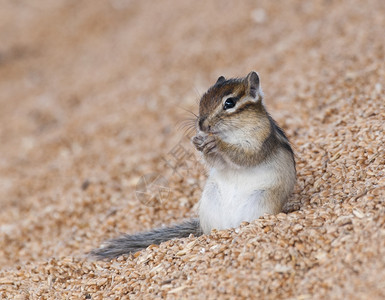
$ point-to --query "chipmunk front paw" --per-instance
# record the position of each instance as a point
(198, 141)
(204, 143)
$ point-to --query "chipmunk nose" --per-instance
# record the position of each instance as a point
(203, 124)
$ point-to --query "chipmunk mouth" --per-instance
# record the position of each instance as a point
(214, 132)
(209, 131)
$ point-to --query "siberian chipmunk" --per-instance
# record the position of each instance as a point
(251, 166)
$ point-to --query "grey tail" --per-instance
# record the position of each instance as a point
(127, 243)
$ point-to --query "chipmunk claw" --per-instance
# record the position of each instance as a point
(204, 142)
(198, 141)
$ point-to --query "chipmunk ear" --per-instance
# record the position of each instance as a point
(252, 84)
(220, 79)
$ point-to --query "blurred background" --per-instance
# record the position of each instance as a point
(92, 92)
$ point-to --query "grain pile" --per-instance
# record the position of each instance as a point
(91, 96)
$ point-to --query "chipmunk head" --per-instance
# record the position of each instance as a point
(232, 109)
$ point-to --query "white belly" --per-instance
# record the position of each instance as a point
(231, 197)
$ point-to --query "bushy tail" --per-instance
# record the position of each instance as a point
(126, 244)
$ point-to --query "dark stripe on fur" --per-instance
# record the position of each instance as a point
(127, 243)
(279, 131)
(276, 140)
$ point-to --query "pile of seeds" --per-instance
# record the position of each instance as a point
(93, 97)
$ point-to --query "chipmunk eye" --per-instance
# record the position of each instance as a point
(229, 103)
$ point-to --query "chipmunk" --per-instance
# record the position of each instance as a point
(251, 166)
